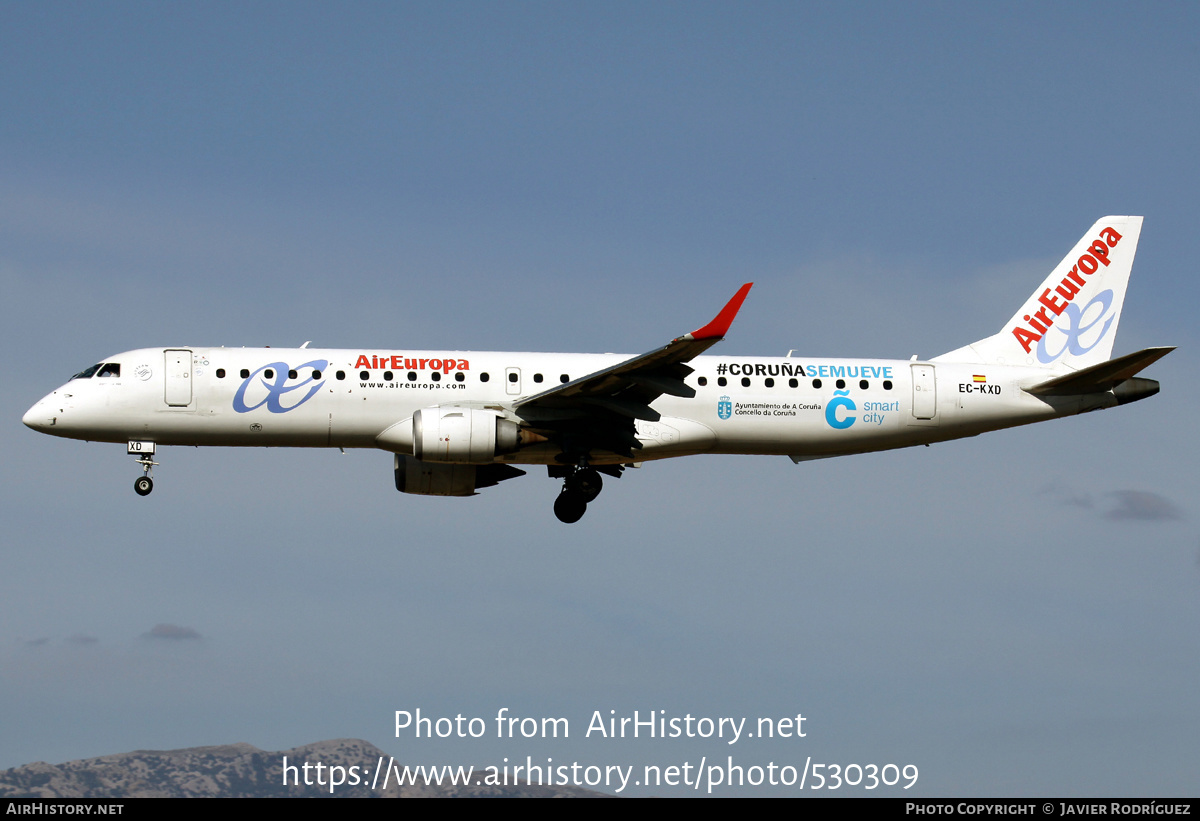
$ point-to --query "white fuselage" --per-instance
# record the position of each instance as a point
(799, 407)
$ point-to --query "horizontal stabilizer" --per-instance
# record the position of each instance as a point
(1102, 377)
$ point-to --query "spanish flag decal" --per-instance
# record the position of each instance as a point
(980, 378)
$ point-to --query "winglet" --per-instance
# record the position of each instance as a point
(717, 328)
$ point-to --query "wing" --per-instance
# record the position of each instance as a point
(597, 411)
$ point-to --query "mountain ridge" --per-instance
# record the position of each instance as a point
(242, 770)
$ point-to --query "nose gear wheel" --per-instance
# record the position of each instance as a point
(144, 484)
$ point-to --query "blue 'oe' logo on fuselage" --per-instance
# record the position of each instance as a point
(277, 385)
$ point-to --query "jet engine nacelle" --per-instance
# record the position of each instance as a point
(431, 479)
(462, 436)
(439, 479)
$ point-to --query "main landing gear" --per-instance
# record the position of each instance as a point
(144, 451)
(581, 485)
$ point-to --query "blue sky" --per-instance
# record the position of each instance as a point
(1014, 614)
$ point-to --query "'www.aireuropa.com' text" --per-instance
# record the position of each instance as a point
(704, 776)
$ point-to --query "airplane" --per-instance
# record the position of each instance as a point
(457, 422)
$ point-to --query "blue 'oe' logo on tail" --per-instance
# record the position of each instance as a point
(1075, 328)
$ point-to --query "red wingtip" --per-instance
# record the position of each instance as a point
(720, 325)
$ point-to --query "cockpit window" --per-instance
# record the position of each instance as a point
(89, 373)
(110, 369)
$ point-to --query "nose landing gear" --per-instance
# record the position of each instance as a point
(144, 451)
(582, 485)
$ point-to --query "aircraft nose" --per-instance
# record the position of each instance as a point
(38, 417)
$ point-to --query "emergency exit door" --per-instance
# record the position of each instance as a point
(924, 398)
(178, 370)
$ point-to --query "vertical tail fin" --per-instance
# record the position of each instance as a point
(1070, 321)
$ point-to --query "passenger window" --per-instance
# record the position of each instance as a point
(564, 378)
(702, 381)
(817, 384)
(887, 384)
(291, 374)
(722, 381)
(537, 377)
(841, 383)
(792, 383)
(220, 373)
(745, 382)
(246, 373)
(458, 377)
(269, 373)
(436, 376)
(864, 384)
(316, 374)
(769, 382)
(110, 369)
(340, 375)
(512, 377)
(364, 374)
(412, 376)
(387, 376)
(483, 377)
